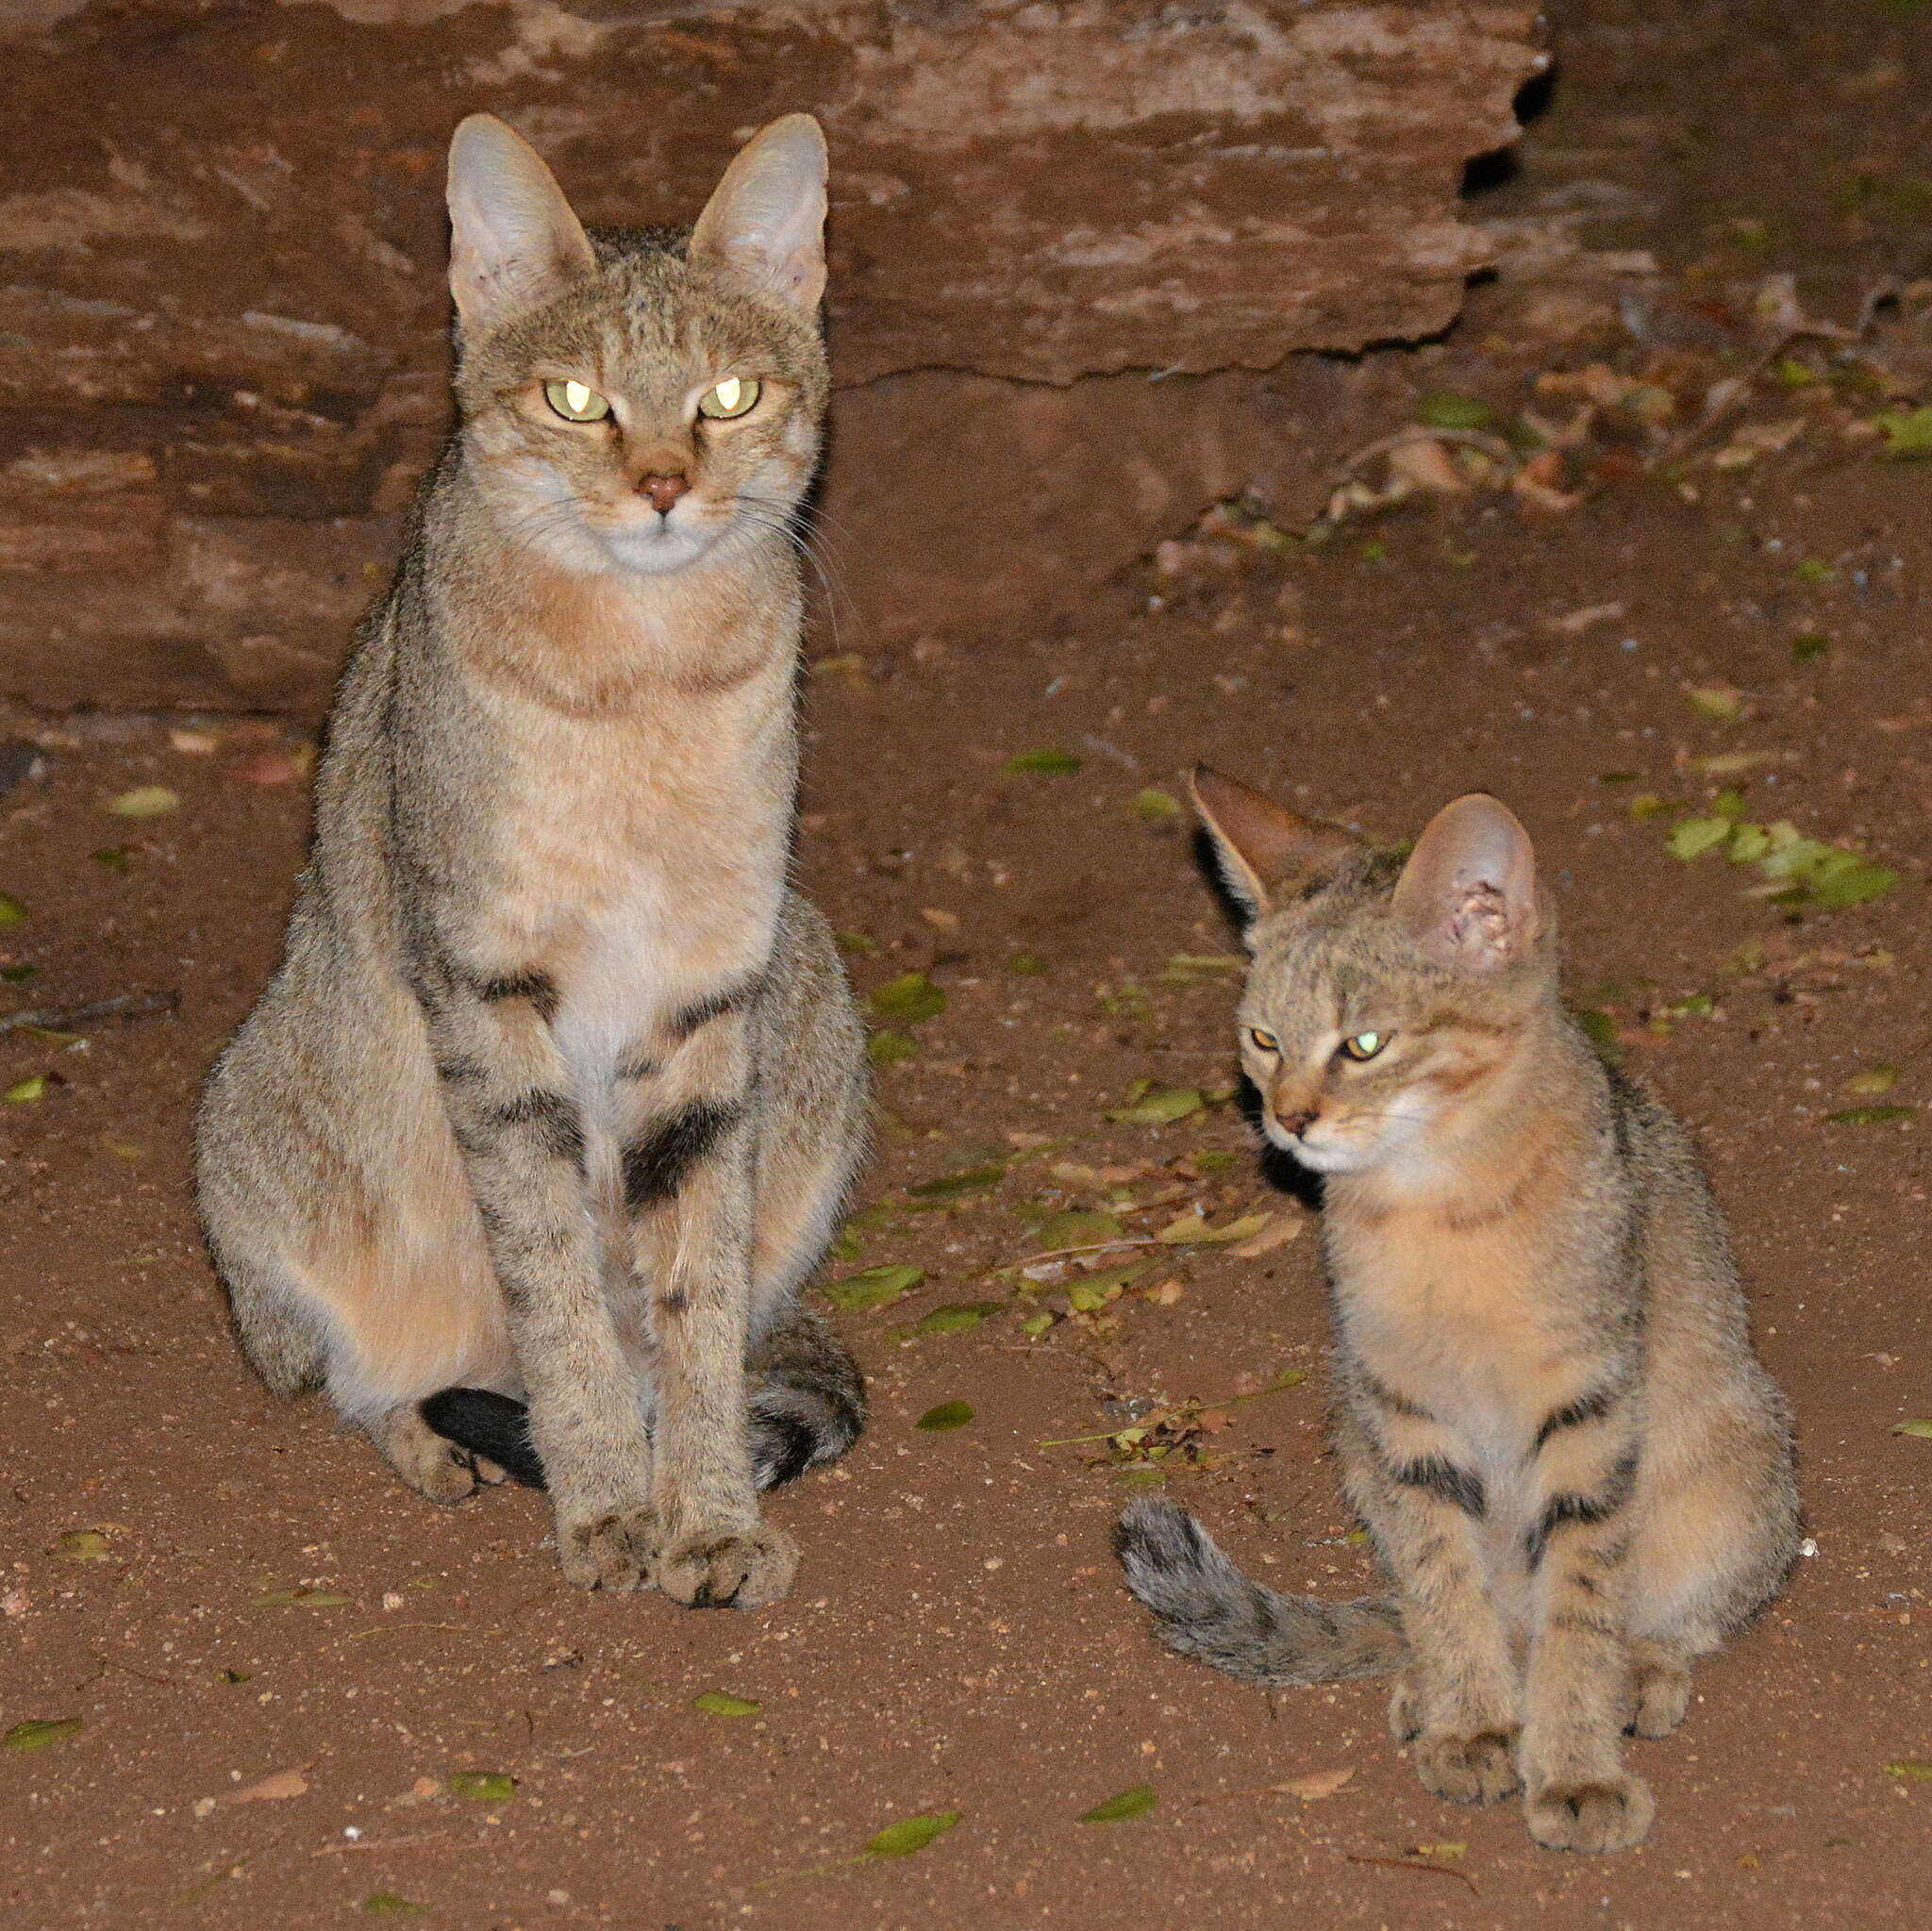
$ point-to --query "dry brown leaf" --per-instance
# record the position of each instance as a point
(1426, 465)
(1576, 621)
(271, 1789)
(1280, 1230)
(1318, 1783)
(1537, 483)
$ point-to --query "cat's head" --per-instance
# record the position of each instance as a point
(632, 400)
(1386, 996)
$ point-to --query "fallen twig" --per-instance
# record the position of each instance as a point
(1415, 1864)
(1492, 447)
(123, 1006)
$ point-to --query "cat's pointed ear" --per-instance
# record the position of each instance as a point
(766, 223)
(1265, 850)
(1467, 892)
(513, 239)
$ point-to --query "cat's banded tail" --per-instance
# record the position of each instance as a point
(1207, 1608)
(807, 1407)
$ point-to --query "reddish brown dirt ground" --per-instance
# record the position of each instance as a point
(959, 1640)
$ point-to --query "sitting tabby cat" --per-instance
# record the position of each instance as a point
(558, 1089)
(1550, 1415)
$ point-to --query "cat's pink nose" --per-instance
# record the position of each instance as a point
(1295, 1124)
(663, 490)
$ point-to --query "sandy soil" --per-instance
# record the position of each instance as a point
(225, 1591)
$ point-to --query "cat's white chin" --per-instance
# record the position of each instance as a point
(656, 552)
(1331, 1159)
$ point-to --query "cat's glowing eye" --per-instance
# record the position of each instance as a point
(575, 402)
(1364, 1046)
(1267, 1043)
(737, 395)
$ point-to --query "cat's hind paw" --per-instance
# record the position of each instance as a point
(1661, 1696)
(1598, 1814)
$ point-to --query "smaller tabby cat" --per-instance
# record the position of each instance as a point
(1550, 1415)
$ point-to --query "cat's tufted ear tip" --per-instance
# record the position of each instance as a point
(765, 224)
(513, 239)
(1265, 850)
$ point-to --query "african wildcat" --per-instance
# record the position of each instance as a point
(1550, 1416)
(558, 1089)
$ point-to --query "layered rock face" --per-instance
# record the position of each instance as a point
(1067, 236)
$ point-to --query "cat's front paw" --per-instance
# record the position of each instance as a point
(1598, 1814)
(1475, 1767)
(729, 1571)
(615, 1551)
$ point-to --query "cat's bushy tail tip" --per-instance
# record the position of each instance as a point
(488, 1424)
(1207, 1608)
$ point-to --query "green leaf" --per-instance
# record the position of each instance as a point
(299, 1599)
(1809, 644)
(1921, 1430)
(144, 801)
(911, 999)
(116, 858)
(83, 1545)
(483, 1786)
(947, 1416)
(1916, 1768)
(388, 1903)
(32, 1088)
(1716, 701)
(1035, 1324)
(1870, 1116)
(889, 1046)
(12, 911)
(1602, 1030)
(1156, 806)
(957, 1317)
(1691, 838)
(1136, 1801)
(18, 975)
(1874, 1080)
(721, 1703)
(1447, 410)
(42, 1733)
(1814, 570)
(911, 1834)
(1091, 1292)
(1052, 764)
(1852, 882)
(876, 1286)
(950, 1186)
(1026, 965)
(1908, 432)
(1063, 1230)
(1160, 1108)
(861, 944)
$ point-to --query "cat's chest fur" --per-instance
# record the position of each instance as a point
(1458, 1311)
(639, 868)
